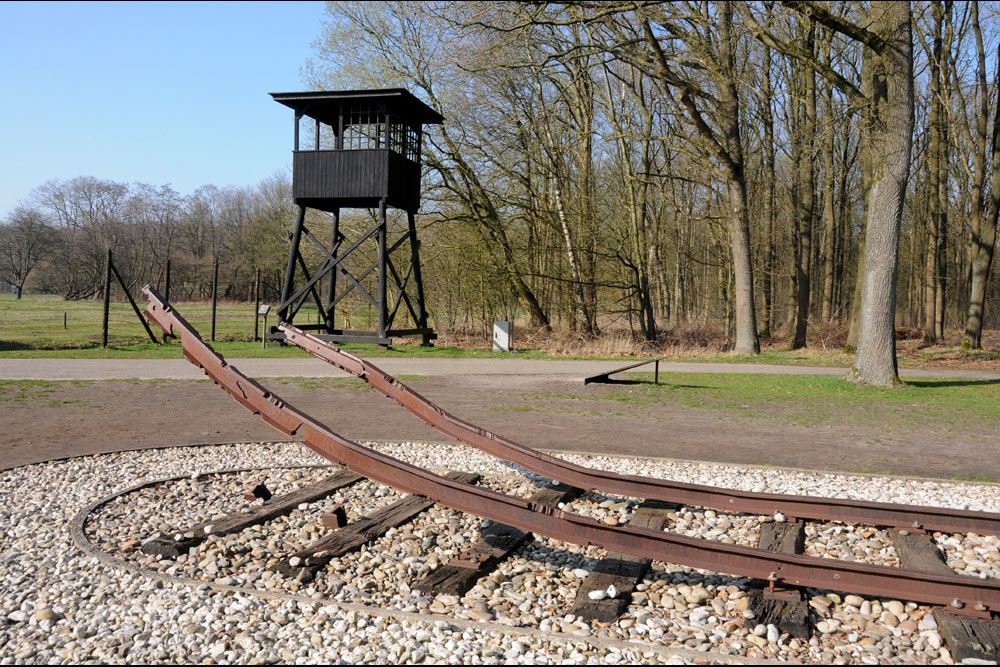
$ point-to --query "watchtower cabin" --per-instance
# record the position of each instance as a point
(358, 149)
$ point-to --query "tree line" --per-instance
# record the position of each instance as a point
(784, 169)
(774, 167)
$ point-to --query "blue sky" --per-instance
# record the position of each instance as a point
(154, 92)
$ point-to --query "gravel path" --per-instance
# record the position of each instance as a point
(222, 604)
(147, 369)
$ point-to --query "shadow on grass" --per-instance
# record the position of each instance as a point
(930, 384)
(650, 383)
(18, 346)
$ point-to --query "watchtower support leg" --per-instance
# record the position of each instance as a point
(293, 251)
(331, 291)
(383, 277)
(425, 339)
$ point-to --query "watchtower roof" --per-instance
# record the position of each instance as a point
(325, 105)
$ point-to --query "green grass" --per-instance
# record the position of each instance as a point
(812, 401)
(981, 478)
(32, 328)
(814, 357)
(36, 391)
(352, 384)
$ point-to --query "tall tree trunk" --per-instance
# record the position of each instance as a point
(580, 299)
(867, 160)
(805, 186)
(932, 257)
(747, 341)
(890, 121)
(727, 148)
(984, 234)
(829, 220)
(768, 120)
(944, 162)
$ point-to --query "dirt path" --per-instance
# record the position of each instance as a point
(545, 412)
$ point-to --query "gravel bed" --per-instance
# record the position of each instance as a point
(864, 544)
(58, 605)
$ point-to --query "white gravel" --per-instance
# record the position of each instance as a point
(59, 605)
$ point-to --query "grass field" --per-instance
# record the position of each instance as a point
(34, 327)
(49, 327)
(804, 400)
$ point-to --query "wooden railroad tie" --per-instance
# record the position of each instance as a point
(258, 492)
(168, 546)
(783, 607)
(620, 570)
(967, 636)
(495, 544)
(304, 564)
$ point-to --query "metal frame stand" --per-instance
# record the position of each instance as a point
(388, 279)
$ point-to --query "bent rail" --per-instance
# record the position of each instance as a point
(731, 500)
(693, 552)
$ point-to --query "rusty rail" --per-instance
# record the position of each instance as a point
(693, 552)
(908, 517)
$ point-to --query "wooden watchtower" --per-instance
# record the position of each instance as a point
(365, 153)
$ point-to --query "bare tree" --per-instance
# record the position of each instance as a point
(25, 238)
(886, 99)
(708, 38)
(983, 237)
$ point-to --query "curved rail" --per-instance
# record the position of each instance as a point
(693, 552)
(805, 507)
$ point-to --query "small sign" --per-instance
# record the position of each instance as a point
(503, 331)
(264, 310)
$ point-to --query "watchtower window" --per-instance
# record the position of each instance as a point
(364, 127)
(405, 140)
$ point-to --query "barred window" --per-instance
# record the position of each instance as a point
(365, 128)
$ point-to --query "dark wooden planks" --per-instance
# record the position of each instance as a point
(918, 552)
(304, 564)
(966, 637)
(495, 544)
(783, 607)
(233, 523)
(788, 538)
(620, 570)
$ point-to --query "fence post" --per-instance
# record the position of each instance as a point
(215, 294)
(131, 301)
(107, 300)
(166, 287)
(256, 305)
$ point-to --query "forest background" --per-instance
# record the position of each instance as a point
(712, 172)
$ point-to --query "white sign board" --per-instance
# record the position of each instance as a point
(503, 331)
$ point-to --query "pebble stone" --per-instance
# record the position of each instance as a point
(58, 605)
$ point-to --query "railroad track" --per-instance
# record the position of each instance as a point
(905, 517)
(776, 565)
